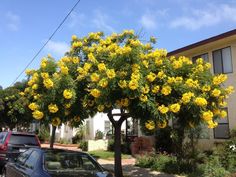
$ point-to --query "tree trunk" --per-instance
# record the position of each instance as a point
(117, 147)
(179, 144)
(53, 136)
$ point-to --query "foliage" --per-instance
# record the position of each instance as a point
(83, 145)
(106, 155)
(79, 134)
(44, 133)
(213, 168)
(163, 140)
(64, 141)
(99, 135)
(12, 107)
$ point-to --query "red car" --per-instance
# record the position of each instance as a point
(13, 143)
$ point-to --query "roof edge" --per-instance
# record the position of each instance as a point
(205, 41)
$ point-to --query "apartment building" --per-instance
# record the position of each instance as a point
(220, 51)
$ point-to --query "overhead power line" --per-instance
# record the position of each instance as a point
(31, 61)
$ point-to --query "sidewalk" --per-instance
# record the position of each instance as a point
(130, 170)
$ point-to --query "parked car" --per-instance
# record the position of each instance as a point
(36, 162)
(13, 143)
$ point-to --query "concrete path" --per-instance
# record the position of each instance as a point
(130, 170)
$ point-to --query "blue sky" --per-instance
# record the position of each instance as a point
(26, 25)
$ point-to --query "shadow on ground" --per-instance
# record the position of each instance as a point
(133, 171)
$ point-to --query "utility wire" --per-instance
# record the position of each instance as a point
(31, 61)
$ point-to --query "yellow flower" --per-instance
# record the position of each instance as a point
(75, 60)
(35, 87)
(161, 75)
(212, 124)
(111, 73)
(94, 77)
(216, 93)
(229, 90)
(95, 93)
(145, 63)
(192, 83)
(162, 124)
(177, 64)
(44, 75)
(133, 84)
(74, 37)
(156, 89)
(125, 102)
(87, 66)
(217, 80)
(151, 77)
(186, 97)
(38, 114)
(175, 108)
(122, 84)
(206, 88)
(56, 121)
(171, 80)
(101, 67)
(158, 61)
(67, 94)
(166, 90)
(145, 89)
(91, 57)
(76, 118)
(64, 69)
(223, 114)
(33, 106)
(43, 63)
(52, 108)
(143, 98)
(150, 125)
(101, 108)
(207, 116)
(48, 83)
(67, 106)
(200, 101)
(135, 76)
(21, 93)
(77, 44)
(163, 109)
(103, 83)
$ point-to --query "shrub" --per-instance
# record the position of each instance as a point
(99, 135)
(84, 145)
(145, 161)
(213, 168)
(64, 141)
(111, 144)
(44, 133)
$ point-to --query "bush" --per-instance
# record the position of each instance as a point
(99, 135)
(213, 168)
(44, 133)
(64, 141)
(145, 161)
(79, 134)
(84, 145)
(111, 144)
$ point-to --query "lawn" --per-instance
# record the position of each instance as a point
(106, 155)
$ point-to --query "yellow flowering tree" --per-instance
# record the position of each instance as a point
(121, 72)
(52, 91)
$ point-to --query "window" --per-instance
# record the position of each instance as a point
(23, 156)
(32, 160)
(222, 130)
(203, 56)
(222, 61)
(2, 137)
(107, 126)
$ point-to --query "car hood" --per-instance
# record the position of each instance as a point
(79, 174)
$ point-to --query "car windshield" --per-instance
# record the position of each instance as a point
(23, 139)
(69, 161)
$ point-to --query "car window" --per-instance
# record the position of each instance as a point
(23, 156)
(2, 137)
(23, 139)
(32, 160)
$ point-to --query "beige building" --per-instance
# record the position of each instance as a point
(220, 51)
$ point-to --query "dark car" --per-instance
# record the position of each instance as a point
(36, 162)
(13, 143)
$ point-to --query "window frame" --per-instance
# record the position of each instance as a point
(226, 109)
(200, 56)
(222, 61)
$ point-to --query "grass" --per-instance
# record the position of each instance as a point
(108, 155)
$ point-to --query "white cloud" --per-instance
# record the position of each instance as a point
(101, 22)
(76, 20)
(212, 15)
(13, 21)
(57, 48)
(148, 21)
